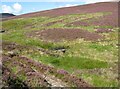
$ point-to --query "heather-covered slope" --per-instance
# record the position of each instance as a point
(66, 47)
(90, 8)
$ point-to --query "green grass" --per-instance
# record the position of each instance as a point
(99, 81)
(70, 63)
(100, 47)
(15, 69)
(79, 54)
(22, 77)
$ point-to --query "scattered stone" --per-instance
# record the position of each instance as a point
(12, 53)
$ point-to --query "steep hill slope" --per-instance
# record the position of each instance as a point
(90, 8)
(73, 46)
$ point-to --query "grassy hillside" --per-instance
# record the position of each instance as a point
(83, 44)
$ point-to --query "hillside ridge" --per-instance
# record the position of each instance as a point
(80, 9)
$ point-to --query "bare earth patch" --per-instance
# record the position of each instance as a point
(65, 34)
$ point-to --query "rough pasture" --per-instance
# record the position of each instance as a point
(35, 74)
(60, 48)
